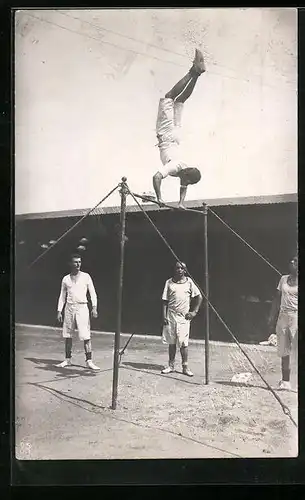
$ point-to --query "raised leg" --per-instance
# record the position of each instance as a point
(184, 88)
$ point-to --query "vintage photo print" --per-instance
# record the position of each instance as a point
(156, 262)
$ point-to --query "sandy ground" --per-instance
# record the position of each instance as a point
(66, 414)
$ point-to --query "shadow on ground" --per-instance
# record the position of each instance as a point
(254, 386)
(67, 397)
(95, 408)
(136, 367)
(144, 366)
(49, 365)
(44, 361)
(239, 384)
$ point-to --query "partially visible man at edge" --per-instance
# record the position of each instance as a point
(284, 314)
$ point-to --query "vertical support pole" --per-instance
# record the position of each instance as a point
(116, 354)
(206, 291)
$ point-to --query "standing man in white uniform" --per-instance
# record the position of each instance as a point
(284, 313)
(73, 295)
(181, 302)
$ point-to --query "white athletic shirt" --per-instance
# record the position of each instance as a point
(179, 295)
(76, 292)
(289, 295)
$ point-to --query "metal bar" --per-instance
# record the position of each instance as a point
(206, 289)
(116, 354)
(125, 346)
(151, 200)
(165, 205)
(284, 407)
(74, 226)
(245, 242)
(147, 198)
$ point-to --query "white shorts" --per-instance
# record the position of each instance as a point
(168, 133)
(287, 332)
(169, 120)
(76, 317)
(177, 331)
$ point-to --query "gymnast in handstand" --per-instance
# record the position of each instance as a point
(168, 129)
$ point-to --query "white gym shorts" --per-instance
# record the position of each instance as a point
(77, 317)
(168, 133)
(177, 331)
(287, 332)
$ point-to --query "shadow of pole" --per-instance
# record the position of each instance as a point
(74, 400)
(163, 376)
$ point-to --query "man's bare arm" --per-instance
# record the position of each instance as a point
(93, 296)
(197, 301)
(165, 306)
(61, 301)
(183, 190)
(274, 311)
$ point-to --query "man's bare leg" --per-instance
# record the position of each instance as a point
(285, 365)
(184, 357)
(180, 93)
(171, 355)
(184, 88)
(68, 353)
(88, 354)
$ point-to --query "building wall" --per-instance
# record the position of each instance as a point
(87, 87)
(235, 272)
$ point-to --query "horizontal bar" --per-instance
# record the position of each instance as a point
(165, 205)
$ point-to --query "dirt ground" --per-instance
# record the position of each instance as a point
(66, 414)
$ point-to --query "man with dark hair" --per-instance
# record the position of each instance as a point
(181, 302)
(168, 128)
(284, 314)
(73, 295)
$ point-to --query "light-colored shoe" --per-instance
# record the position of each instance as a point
(91, 365)
(66, 362)
(284, 385)
(241, 378)
(168, 369)
(187, 371)
(272, 340)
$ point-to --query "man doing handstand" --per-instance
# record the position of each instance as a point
(168, 128)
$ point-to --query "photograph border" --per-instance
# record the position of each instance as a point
(118, 472)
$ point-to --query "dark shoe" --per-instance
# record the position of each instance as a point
(198, 63)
